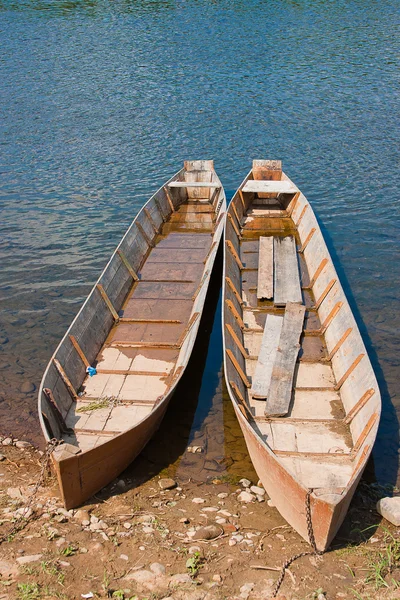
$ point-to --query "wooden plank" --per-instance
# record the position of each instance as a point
(108, 302)
(238, 368)
(171, 204)
(265, 283)
(127, 264)
(266, 358)
(79, 350)
(237, 341)
(65, 379)
(271, 187)
(359, 405)
(187, 184)
(286, 272)
(280, 391)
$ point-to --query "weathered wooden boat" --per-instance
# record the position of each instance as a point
(297, 370)
(137, 328)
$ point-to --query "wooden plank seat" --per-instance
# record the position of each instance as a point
(265, 282)
(266, 358)
(188, 184)
(287, 286)
(268, 186)
(280, 391)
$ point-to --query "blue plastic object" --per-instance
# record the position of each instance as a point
(91, 371)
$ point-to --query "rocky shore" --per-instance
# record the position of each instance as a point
(169, 539)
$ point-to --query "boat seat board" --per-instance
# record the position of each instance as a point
(124, 387)
(157, 360)
(187, 184)
(166, 290)
(185, 241)
(267, 356)
(269, 186)
(319, 473)
(314, 375)
(314, 438)
(280, 392)
(160, 308)
(170, 272)
(146, 332)
(286, 272)
(256, 320)
(165, 254)
(307, 405)
(265, 282)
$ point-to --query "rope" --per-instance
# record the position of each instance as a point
(292, 559)
(22, 523)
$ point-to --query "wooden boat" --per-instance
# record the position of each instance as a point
(297, 370)
(137, 328)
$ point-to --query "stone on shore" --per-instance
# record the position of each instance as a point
(24, 560)
(27, 387)
(389, 508)
(167, 483)
(209, 532)
(245, 497)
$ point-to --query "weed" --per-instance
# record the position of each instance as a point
(53, 570)
(69, 551)
(106, 402)
(28, 591)
(194, 563)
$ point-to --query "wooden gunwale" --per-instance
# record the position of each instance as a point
(340, 332)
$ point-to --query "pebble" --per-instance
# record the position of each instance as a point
(24, 560)
(180, 578)
(223, 495)
(184, 520)
(147, 529)
(195, 500)
(124, 557)
(226, 513)
(23, 445)
(145, 519)
(217, 578)
(82, 515)
(246, 589)
(389, 508)
(209, 532)
(220, 521)
(157, 569)
(7, 441)
(83, 550)
(245, 483)
(60, 542)
(15, 493)
(194, 549)
(245, 497)
(7, 569)
(209, 509)
(271, 504)
(167, 483)
(127, 525)
(27, 387)
(258, 491)
(2, 457)
(238, 538)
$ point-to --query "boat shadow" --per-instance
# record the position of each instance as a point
(163, 452)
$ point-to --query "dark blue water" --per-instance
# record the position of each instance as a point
(100, 102)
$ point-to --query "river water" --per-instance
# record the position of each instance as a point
(101, 101)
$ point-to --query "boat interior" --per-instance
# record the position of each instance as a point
(138, 325)
(296, 365)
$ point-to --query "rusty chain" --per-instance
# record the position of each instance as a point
(292, 559)
(23, 521)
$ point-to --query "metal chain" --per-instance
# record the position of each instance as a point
(45, 460)
(311, 537)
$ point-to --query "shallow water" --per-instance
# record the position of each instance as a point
(100, 102)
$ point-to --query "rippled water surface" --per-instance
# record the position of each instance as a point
(101, 101)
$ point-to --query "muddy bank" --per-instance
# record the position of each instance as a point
(171, 537)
